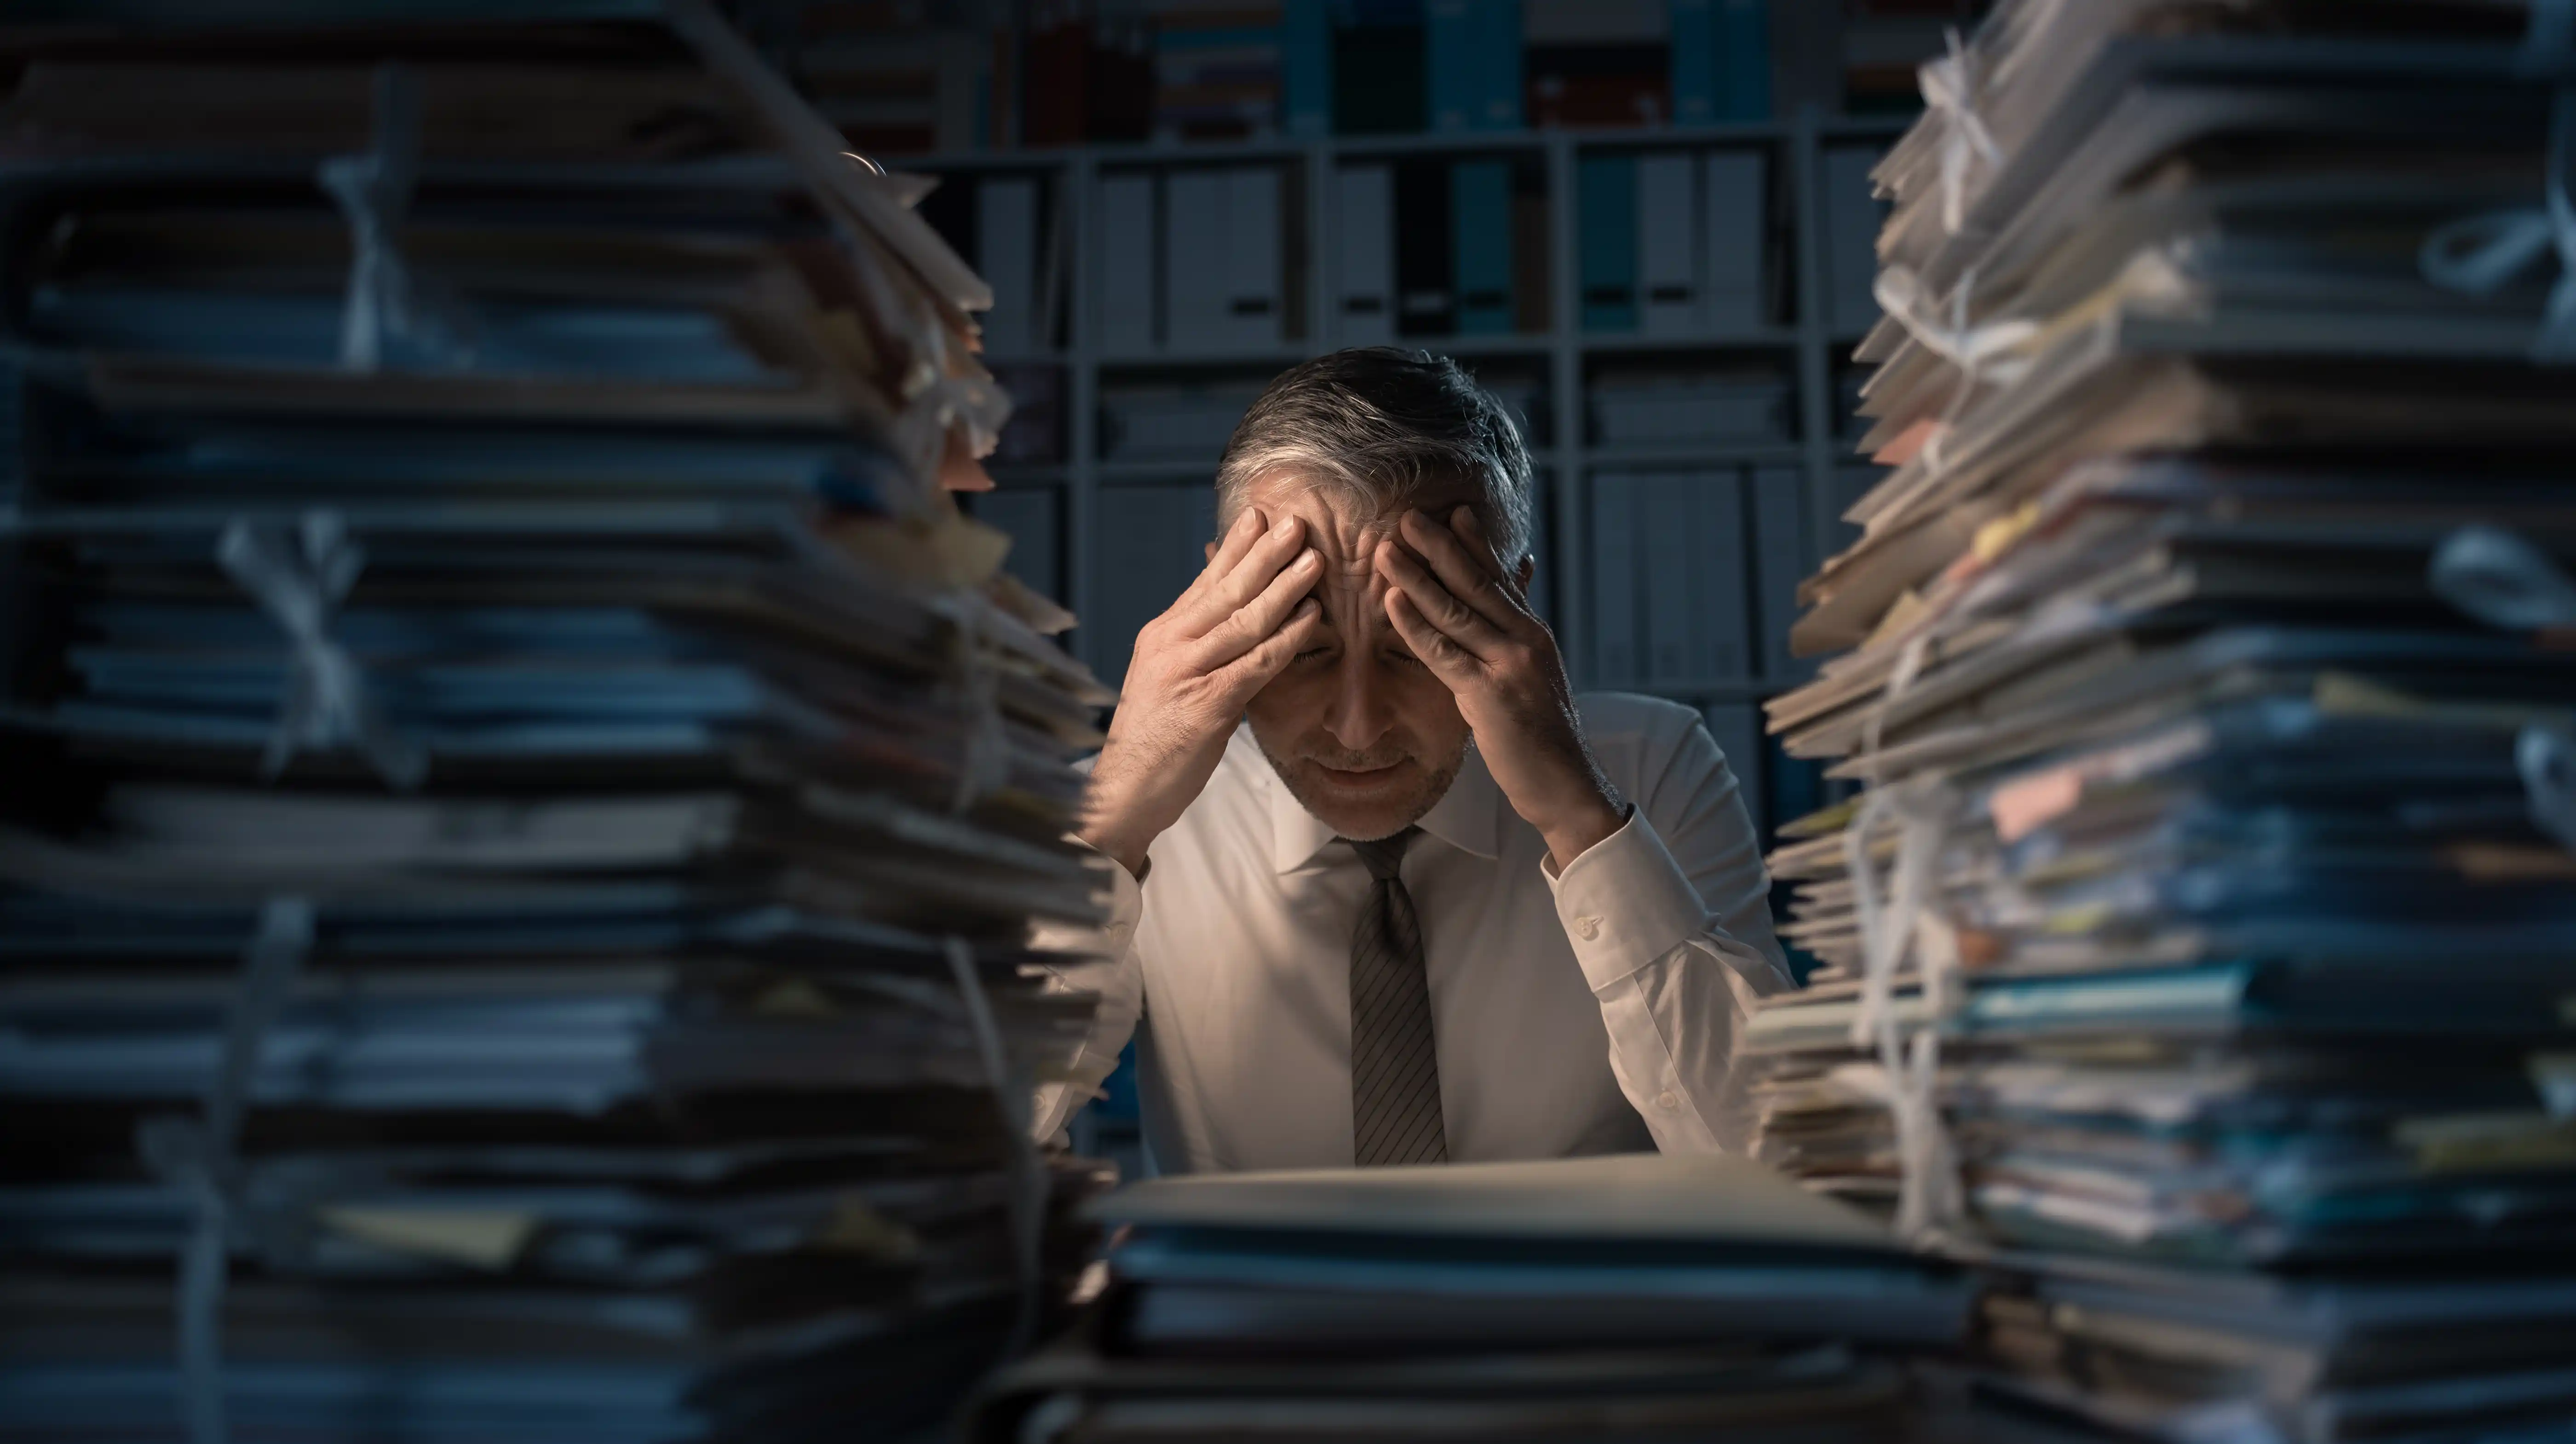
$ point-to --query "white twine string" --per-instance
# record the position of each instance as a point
(1907, 920)
(199, 1157)
(299, 579)
(2502, 580)
(1026, 1171)
(936, 399)
(1900, 680)
(1979, 352)
(374, 193)
(2546, 757)
(2479, 255)
(1950, 89)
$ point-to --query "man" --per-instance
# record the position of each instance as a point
(1386, 891)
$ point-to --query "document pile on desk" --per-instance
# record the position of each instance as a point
(2201, 951)
(524, 801)
(1600, 1299)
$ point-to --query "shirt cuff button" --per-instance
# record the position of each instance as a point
(1587, 928)
(1667, 1100)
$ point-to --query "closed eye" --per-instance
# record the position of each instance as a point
(1312, 654)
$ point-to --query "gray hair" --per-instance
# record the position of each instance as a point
(1384, 425)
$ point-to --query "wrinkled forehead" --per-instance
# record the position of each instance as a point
(1346, 526)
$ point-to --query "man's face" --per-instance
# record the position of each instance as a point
(1365, 737)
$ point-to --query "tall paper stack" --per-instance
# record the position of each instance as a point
(2201, 946)
(524, 799)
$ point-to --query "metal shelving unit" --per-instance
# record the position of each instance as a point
(1564, 353)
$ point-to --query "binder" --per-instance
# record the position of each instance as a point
(1197, 272)
(1606, 241)
(1734, 233)
(1743, 59)
(1779, 561)
(1670, 566)
(949, 209)
(1424, 302)
(1694, 62)
(1852, 216)
(1667, 262)
(1453, 79)
(1378, 80)
(1480, 210)
(1127, 290)
(1254, 306)
(1722, 596)
(1030, 516)
(1532, 288)
(1364, 216)
(1151, 540)
(1306, 68)
(1614, 579)
(1737, 730)
(1006, 251)
(1498, 63)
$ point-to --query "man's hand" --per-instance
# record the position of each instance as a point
(1193, 670)
(1465, 617)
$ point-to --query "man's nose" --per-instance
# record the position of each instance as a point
(1360, 715)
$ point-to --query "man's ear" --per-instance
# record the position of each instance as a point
(1210, 550)
(1521, 575)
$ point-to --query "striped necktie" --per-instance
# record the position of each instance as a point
(1395, 1073)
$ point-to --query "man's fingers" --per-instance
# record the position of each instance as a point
(1219, 594)
(1271, 655)
(1475, 583)
(1239, 538)
(1434, 648)
(1258, 618)
(1435, 603)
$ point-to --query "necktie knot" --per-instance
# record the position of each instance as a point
(1385, 856)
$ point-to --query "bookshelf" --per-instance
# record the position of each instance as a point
(1805, 346)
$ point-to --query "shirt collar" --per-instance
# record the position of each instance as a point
(1467, 817)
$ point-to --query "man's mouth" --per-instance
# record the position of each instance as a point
(1357, 776)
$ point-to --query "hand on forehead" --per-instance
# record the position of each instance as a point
(1346, 528)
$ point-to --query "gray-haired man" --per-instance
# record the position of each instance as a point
(1388, 892)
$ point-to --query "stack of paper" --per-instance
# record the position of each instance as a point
(2202, 939)
(1597, 1299)
(524, 800)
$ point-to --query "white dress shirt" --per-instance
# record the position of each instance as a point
(1590, 1012)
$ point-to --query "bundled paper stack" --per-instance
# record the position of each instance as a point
(524, 799)
(1602, 1299)
(2201, 947)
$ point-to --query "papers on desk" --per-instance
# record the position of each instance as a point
(1604, 1298)
(2199, 950)
(525, 800)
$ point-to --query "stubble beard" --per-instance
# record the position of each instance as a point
(1379, 817)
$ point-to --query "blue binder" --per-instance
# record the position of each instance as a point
(1743, 59)
(1480, 229)
(1306, 67)
(1451, 60)
(1498, 63)
(1606, 241)
(1695, 62)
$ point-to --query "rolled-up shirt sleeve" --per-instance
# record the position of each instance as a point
(1670, 920)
